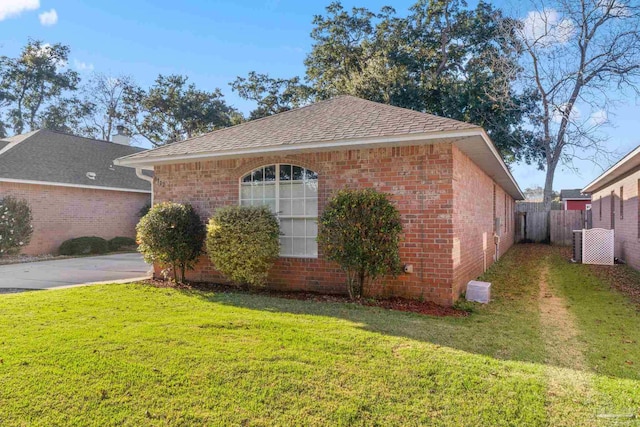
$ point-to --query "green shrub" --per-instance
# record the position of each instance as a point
(171, 235)
(144, 210)
(15, 225)
(90, 245)
(243, 243)
(118, 243)
(360, 230)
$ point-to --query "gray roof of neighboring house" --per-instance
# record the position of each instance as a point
(575, 193)
(341, 118)
(56, 157)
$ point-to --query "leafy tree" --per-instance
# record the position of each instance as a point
(272, 95)
(15, 225)
(442, 58)
(360, 230)
(580, 58)
(66, 115)
(173, 110)
(243, 243)
(171, 235)
(32, 81)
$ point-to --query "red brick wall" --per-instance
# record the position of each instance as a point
(627, 225)
(61, 213)
(419, 178)
(473, 207)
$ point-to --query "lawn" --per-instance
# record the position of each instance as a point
(139, 355)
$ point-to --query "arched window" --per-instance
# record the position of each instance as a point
(291, 192)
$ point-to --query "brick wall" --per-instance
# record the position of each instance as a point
(474, 246)
(61, 213)
(419, 178)
(626, 223)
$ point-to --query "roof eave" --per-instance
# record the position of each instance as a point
(624, 165)
(137, 161)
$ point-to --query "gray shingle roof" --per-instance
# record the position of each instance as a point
(575, 193)
(56, 157)
(340, 118)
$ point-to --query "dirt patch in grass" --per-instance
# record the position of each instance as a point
(399, 304)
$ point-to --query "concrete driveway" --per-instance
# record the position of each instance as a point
(73, 271)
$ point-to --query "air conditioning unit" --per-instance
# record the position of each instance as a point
(594, 246)
(577, 246)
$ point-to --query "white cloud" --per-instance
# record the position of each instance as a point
(48, 18)
(82, 66)
(599, 117)
(545, 28)
(11, 8)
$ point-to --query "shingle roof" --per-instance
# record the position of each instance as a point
(574, 193)
(56, 157)
(340, 118)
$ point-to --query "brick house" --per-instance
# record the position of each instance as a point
(614, 205)
(574, 200)
(72, 186)
(448, 181)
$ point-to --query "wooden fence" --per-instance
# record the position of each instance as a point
(562, 224)
(555, 226)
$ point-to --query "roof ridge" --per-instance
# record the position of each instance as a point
(12, 144)
(86, 137)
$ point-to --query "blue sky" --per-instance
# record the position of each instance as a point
(212, 42)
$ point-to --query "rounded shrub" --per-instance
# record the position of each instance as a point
(90, 245)
(171, 235)
(15, 225)
(243, 243)
(360, 230)
(118, 243)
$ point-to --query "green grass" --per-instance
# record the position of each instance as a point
(138, 355)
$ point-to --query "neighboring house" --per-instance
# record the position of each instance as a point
(72, 185)
(446, 178)
(574, 200)
(614, 205)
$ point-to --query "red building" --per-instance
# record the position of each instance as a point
(574, 200)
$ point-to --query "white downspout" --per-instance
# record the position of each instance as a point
(140, 175)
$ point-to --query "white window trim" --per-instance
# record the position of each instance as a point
(277, 197)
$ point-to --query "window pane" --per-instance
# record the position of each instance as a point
(245, 191)
(311, 189)
(270, 190)
(311, 207)
(285, 190)
(310, 174)
(299, 228)
(286, 226)
(285, 207)
(297, 190)
(286, 246)
(298, 207)
(247, 178)
(299, 246)
(312, 246)
(285, 172)
(312, 228)
(258, 192)
(245, 202)
(298, 173)
(258, 175)
(271, 204)
(270, 173)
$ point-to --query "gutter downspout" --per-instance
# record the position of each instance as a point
(140, 175)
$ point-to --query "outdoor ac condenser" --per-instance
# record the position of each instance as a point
(577, 246)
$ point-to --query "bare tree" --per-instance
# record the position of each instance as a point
(580, 57)
(104, 97)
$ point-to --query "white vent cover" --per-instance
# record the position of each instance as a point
(597, 246)
(478, 291)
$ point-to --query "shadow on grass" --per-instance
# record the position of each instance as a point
(507, 329)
